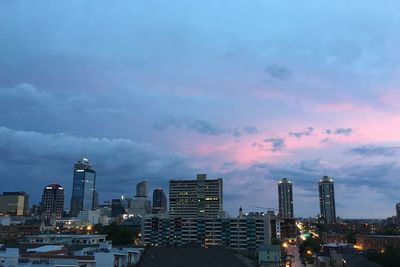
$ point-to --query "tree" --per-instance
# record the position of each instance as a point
(119, 235)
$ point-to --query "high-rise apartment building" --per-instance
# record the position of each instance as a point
(285, 195)
(159, 201)
(14, 203)
(327, 200)
(84, 187)
(52, 202)
(196, 198)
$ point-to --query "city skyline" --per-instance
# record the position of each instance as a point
(160, 92)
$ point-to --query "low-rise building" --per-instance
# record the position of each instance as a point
(53, 239)
(378, 242)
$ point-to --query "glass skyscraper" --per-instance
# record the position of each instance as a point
(327, 200)
(84, 187)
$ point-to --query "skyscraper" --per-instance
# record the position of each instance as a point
(195, 198)
(52, 202)
(140, 205)
(159, 201)
(327, 200)
(285, 194)
(142, 189)
(84, 187)
(398, 214)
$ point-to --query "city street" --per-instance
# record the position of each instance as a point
(296, 262)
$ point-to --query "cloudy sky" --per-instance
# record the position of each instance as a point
(250, 91)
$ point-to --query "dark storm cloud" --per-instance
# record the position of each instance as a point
(30, 160)
(306, 132)
(339, 131)
(278, 71)
(388, 151)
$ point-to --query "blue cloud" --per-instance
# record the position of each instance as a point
(306, 132)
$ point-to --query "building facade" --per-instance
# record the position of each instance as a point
(52, 202)
(196, 198)
(246, 233)
(140, 204)
(84, 188)
(142, 189)
(285, 195)
(14, 203)
(327, 200)
(159, 201)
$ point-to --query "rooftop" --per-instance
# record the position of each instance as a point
(194, 257)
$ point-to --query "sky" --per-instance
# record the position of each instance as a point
(250, 91)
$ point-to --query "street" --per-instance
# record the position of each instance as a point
(296, 262)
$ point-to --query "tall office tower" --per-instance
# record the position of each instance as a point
(14, 203)
(140, 205)
(398, 214)
(285, 194)
(52, 202)
(159, 201)
(327, 200)
(84, 187)
(195, 198)
(142, 189)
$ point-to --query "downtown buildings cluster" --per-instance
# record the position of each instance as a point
(195, 216)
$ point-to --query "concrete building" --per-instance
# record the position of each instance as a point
(285, 195)
(196, 198)
(11, 231)
(398, 214)
(58, 239)
(327, 200)
(84, 188)
(142, 189)
(52, 202)
(14, 203)
(140, 205)
(248, 232)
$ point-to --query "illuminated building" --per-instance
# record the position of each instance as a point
(285, 194)
(84, 188)
(52, 202)
(327, 200)
(196, 198)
